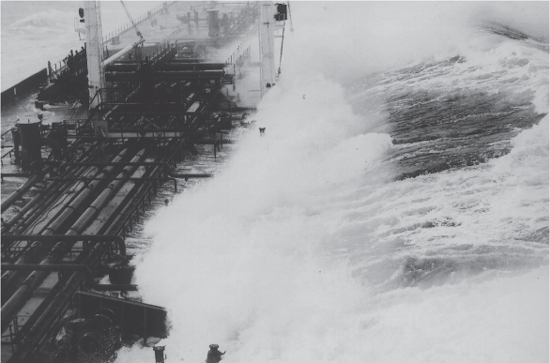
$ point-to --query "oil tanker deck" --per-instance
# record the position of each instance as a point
(87, 179)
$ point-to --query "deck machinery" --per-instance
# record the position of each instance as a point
(64, 228)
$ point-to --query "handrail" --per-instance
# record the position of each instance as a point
(7, 153)
(58, 67)
(5, 132)
(128, 26)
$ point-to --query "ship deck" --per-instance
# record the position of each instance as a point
(74, 192)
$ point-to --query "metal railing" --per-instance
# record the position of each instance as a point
(138, 20)
(59, 67)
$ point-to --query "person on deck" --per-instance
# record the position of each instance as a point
(214, 355)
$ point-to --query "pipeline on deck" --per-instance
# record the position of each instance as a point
(64, 227)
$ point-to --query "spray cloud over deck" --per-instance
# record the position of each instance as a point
(308, 246)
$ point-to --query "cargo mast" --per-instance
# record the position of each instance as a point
(94, 51)
(267, 47)
(272, 19)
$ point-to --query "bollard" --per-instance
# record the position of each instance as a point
(159, 354)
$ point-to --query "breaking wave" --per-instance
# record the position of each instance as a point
(49, 21)
(390, 213)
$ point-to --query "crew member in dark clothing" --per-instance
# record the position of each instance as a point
(214, 355)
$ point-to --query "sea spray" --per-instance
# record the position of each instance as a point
(306, 248)
(242, 241)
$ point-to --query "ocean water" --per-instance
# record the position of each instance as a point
(395, 210)
(35, 32)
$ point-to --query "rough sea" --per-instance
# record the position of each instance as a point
(35, 32)
(396, 209)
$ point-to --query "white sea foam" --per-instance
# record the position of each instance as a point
(303, 249)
